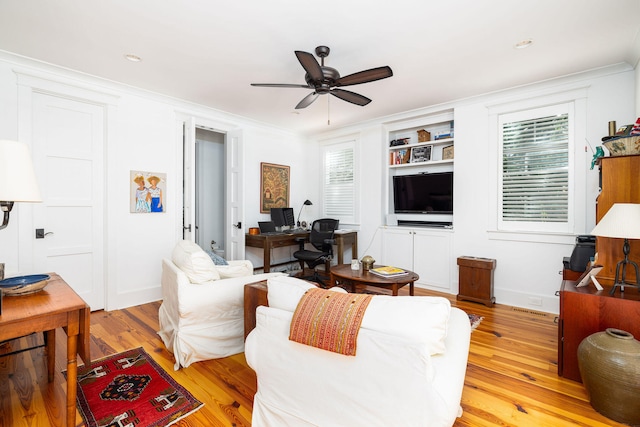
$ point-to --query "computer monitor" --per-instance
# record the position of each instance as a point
(282, 217)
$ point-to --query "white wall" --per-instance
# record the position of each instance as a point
(143, 137)
(527, 271)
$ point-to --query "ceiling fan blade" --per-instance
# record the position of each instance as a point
(307, 100)
(279, 85)
(365, 76)
(310, 65)
(351, 97)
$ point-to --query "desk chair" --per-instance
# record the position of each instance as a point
(321, 237)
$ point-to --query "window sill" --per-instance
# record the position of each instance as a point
(535, 237)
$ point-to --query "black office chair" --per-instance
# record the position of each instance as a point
(321, 237)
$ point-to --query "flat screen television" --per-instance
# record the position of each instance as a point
(427, 193)
(282, 217)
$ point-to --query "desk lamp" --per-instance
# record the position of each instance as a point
(306, 203)
(622, 221)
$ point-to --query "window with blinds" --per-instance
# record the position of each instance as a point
(339, 190)
(535, 169)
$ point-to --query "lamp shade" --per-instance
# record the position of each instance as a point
(17, 178)
(622, 221)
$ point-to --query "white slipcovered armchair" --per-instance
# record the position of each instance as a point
(202, 311)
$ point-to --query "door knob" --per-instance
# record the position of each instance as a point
(40, 234)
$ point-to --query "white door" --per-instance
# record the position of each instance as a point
(68, 143)
(234, 205)
(189, 179)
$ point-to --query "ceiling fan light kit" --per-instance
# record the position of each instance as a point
(323, 79)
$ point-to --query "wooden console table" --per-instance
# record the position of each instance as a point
(56, 306)
(270, 241)
(585, 311)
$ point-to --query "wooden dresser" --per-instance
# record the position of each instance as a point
(620, 183)
(585, 311)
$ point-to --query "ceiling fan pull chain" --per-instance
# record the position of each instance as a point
(328, 111)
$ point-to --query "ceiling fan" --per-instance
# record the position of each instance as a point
(325, 80)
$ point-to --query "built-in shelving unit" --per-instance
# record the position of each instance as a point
(420, 145)
(420, 241)
(408, 150)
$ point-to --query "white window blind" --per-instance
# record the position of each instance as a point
(340, 182)
(535, 169)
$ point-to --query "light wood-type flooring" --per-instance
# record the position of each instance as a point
(511, 376)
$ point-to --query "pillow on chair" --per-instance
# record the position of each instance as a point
(194, 262)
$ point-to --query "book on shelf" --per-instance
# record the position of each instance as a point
(388, 271)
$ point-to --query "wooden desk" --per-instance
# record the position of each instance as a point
(343, 275)
(268, 242)
(56, 306)
(585, 311)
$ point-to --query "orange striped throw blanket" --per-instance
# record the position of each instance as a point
(329, 320)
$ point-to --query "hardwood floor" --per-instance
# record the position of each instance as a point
(511, 376)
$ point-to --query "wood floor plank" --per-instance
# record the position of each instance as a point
(511, 377)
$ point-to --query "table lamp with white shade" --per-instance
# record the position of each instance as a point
(17, 177)
(17, 180)
(622, 221)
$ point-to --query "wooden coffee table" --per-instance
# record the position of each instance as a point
(343, 275)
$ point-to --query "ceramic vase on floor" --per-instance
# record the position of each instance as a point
(609, 364)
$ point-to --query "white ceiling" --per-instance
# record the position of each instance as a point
(209, 51)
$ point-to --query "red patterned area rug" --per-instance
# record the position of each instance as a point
(475, 320)
(131, 389)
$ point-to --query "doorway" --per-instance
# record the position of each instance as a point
(219, 204)
(210, 190)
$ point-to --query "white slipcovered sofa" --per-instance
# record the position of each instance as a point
(408, 370)
(202, 311)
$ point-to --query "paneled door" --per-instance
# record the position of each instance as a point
(68, 142)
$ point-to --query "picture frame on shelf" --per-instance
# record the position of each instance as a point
(421, 154)
(447, 152)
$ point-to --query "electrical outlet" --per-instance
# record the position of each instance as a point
(535, 301)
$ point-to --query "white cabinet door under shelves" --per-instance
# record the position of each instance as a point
(423, 251)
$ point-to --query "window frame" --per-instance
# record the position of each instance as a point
(575, 102)
(534, 114)
(334, 146)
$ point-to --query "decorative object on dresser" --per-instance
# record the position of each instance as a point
(610, 372)
(476, 280)
(622, 221)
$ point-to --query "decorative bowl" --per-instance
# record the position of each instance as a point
(623, 146)
(23, 285)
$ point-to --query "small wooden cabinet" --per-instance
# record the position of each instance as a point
(476, 280)
(585, 311)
